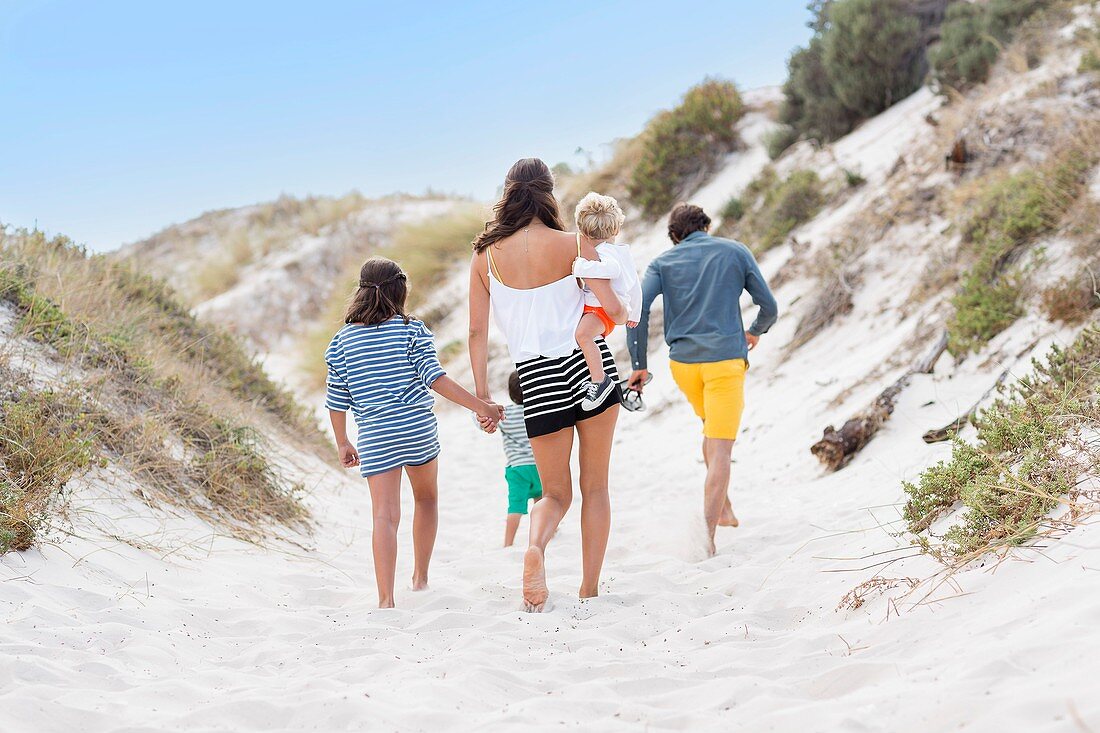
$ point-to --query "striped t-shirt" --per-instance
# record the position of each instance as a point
(517, 446)
(372, 369)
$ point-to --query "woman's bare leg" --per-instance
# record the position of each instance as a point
(385, 499)
(511, 526)
(552, 458)
(596, 434)
(425, 487)
(589, 329)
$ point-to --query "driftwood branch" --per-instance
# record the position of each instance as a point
(951, 429)
(837, 447)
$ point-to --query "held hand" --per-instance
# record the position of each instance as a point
(637, 380)
(489, 414)
(752, 340)
(349, 457)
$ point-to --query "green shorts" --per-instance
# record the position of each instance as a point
(523, 486)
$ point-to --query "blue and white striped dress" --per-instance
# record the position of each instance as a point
(382, 373)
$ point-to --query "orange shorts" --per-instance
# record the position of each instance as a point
(608, 324)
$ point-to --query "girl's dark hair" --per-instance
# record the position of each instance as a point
(528, 194)
(381, 294)
(514, 390)
(685, 219)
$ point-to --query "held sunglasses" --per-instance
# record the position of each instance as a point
(632, 398)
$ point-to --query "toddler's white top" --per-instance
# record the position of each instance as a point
(615, 264)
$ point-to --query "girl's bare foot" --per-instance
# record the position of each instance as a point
(419, 583)
(534, 581)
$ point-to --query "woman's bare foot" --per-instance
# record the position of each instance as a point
(419, 583)
(589, 592)
(534, 581)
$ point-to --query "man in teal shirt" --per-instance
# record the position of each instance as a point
(701, 279)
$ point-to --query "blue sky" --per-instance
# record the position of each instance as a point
(123, 117)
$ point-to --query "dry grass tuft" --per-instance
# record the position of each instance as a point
(1072, 299)
(876, 586)
(837, 274)
(44, 439)
(169, 398)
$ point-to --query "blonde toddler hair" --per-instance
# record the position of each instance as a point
(598, 216)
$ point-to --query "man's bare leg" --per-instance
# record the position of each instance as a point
(589, 329)
(716, 487)
(727, 518)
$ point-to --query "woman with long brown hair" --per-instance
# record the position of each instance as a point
(523, 266)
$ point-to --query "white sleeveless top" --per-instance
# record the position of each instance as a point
(538, 321)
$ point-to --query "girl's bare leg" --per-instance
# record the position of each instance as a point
(511, 526)
(385, 499)
(596, 434)
(552, 458)
(425, 487)
(589, 329)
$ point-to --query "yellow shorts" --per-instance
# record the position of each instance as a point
(716, 390)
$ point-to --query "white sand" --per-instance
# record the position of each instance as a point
(218, 635)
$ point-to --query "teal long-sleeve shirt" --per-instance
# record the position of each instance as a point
(701, 280)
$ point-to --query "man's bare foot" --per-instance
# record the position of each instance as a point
(728, 519)
(419, 583)
(712, 549)
(534, 581)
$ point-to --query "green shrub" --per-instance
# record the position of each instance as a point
(854, 179)
(873, 53)
(1010, 213)
(733, 210)
(972, 36)
(1005, 16)
(774, 208)
(865, 55)
(966, 50)
(1019, 469)
(779, 139)
(982, 310)
(685, 143)
(811, 106)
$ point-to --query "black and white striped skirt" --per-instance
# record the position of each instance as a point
(553, 388)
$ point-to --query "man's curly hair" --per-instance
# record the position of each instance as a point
(685, 219)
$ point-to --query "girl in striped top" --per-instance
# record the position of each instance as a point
(381, 366)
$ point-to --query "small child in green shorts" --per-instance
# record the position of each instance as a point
(520, 473)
